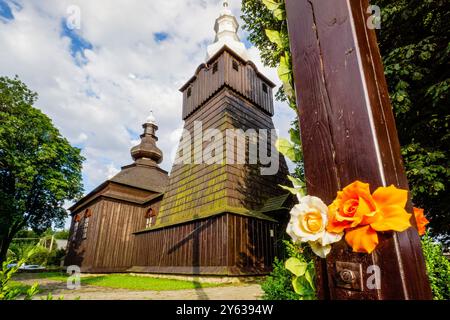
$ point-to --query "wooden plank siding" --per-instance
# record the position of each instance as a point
(246, 81)
(110, 244)
(226, 244)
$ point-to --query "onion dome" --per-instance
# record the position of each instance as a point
(147, 151)
(226, 28)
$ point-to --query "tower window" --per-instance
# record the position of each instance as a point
(235, 65)
(148, 222)
(87, 215)
(215, 67)
(150, 218)
(76, 224)
(189, 92)
(85, 227)
(75, 230)
(264, 87)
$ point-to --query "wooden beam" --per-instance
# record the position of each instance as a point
(348, 133)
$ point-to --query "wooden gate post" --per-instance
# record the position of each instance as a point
(348, 133)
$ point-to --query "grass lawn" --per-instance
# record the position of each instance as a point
(131, 282)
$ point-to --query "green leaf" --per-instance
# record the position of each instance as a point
(284, 70)
(288, 90)
(296, 182)
(295, 136)
(275, 37)
(271, 4)
(409, 53)
(290, 189)
(286, 148)
(279, 14)
(310, 275)
(296, 266)
(302, 286)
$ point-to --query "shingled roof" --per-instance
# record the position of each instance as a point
(143, 177)
(144, 173)
(276, 203)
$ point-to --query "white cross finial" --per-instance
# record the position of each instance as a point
(151, 118)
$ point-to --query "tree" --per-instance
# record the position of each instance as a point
(62, 234)
(39, 169)
(414, 43)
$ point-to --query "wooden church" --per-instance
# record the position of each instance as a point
(203, 219)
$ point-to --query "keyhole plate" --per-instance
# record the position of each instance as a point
(349, 275)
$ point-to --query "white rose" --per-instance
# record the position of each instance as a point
(308, 223)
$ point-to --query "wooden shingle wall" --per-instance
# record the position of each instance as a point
(196, 190)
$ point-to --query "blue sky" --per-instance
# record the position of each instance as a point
(78, 44)
(99, 82)
(5, 11)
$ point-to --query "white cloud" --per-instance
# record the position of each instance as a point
(98, 105)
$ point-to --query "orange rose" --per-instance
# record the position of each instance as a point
(361, 214)
(352, 207)
(420, 220)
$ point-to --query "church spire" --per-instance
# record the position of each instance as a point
(226, 28)
(146, 152)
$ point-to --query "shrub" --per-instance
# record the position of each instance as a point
(19, 250)
(63, 234)
(55, 257)
(438, 268)
(40, 256)
(278, 285)
(11, 292)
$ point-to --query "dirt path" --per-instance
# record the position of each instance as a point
(86, 292)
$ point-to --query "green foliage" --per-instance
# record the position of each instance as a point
(294, 278)
(278, 285)
(39, 169)
(26, 234)
(414, 43)
(10, 291)
(288, 149)
(266, 22)
(40, 256)
(304, 277)
(438, 268)
(50, 297)
(19, 250)
(62, 235)
(258, 17)
(293, 151)
(55, 257)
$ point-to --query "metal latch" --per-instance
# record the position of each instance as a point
(349, 275)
